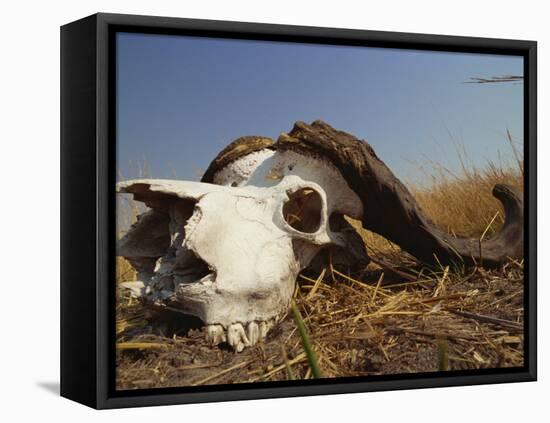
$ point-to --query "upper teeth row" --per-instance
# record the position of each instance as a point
(236, 335)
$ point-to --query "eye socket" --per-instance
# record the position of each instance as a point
(302, 211)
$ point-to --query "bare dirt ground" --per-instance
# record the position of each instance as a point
(395, 317)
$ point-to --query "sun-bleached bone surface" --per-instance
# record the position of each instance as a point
(230, 252)
(229, 249)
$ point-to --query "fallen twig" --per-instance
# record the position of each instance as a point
(487, 319)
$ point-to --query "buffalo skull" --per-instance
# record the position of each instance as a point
(228, 249)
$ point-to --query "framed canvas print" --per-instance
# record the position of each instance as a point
(255, 211)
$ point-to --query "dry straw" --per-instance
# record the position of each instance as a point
(395, 316)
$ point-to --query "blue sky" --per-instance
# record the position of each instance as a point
(180, 100)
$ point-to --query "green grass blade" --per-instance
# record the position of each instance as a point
(310, 352)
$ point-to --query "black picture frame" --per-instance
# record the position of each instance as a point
(88, 210)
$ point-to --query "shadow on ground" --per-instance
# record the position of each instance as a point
(51, 387)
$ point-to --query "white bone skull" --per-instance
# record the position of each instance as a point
(230, 252)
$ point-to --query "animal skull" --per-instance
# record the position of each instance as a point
(229, 249)
(236, 247)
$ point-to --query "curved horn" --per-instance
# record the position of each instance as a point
(391, 211)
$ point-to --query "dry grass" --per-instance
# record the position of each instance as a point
(379, 325)
(396, 316)
(465, 205)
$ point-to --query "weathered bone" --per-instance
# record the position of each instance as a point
(234, 248)
(228, 249)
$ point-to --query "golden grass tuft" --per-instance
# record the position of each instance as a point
(124, 270)
(465, 206)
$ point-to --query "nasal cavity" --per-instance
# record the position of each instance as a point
(302, 211)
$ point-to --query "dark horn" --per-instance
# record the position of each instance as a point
(391, 211)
